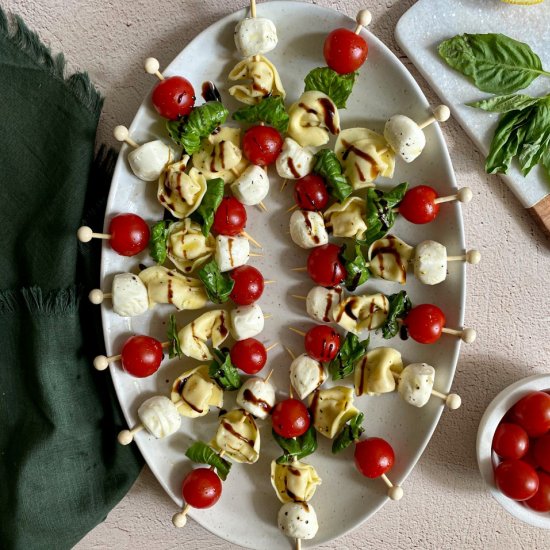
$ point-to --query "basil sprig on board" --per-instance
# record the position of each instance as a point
(337, 86)
(218, 285)
(356, 266)
(157, 243)
(199, 124)
(209, 204)
(296, 447)
(351, 352)
(400, 305)
(201, 453)
(224, 372)
(175, 345)
(270, 110)
(328, 167)
(351, 432)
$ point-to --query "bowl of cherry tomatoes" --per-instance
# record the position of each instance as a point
(513, 449)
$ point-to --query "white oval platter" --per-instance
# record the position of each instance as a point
(246, 514)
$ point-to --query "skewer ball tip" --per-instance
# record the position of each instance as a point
(101, 362)
(469, 335)
(84, 234)
(464, 195)
(96, 296)
(442, 113)
(125, 437)
(121, 133)
(453, 401)
(364, 18)
(151, 65)
(395, 492)
(179, 520)
(473, 256)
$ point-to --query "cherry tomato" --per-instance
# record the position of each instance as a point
(529, 457)
(262, 145)
(541, 452)
(230, 217)
(345, 51)
(290, 418)
(424, 323)
(249, 285)
(532, 413)
(201, 488)
(510, 441)
(249, 355)
(325, 267)
(541, 501)
(173, 97)
(129, 234)
(310, 193)
(322, 343)
(141, 356)
(373, 456)
(418, 204)
(516, 479)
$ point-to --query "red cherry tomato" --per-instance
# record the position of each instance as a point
(418, 204)
(373, 456)
(345, 51)
(324, 266)
(262, 145)
(510, 441)
(230, 217)
(201, 488)
(310, 193)
(141, 356)
(541, 501)
(173, 97)
(529, 457)
(424, 323)
(541, 452)
(249, 285)
(532, 413)
(516, 479)
(129, 234)
(249, 355)
(290, 418)
(322, 343)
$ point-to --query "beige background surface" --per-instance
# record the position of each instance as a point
(446, 504)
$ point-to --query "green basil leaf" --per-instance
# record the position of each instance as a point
(297, 447)
(224, 372)
(209, 204)
(201, 122)
(201, 453)
(351, 352)
(328, 167)
(157, 243)
(351, 432)
(175, 346)
(537, 137)
(218, 285)
(400, 305)
(356, 266)
(546, 162)
(505, 103)
(337, 86)
(493, 62)
(270, 110)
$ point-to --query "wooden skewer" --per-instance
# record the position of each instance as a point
(301, 333)
(452, 400)
(364, 17)
(96, 296)
(291, 353)
(269, 282)
(472, 257)
(267, 315)
(440, 114)
(283, 185)
(266, 379)
(85, 234)
(254, 255)
(101, 362)
(272, 346)
(180, 519)
(253, 8)
(152, 66)
(463, 195)
(121, 133)
(467, 335)
(251, 239)
(395, 492)
(292, 208)
(298, 544)
(299, 269)
(125, 437)
(262, 206)
(299, 297)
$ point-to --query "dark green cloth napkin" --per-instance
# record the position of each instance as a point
(61, 468)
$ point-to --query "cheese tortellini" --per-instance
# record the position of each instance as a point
(211, 325)
(347, 219)
(238, 436)
(312, 119)
(364, 155)
(181, 193)
(294, 482)
(374, 374)
(389, 259)
(187, 247)
(331, 409)
(194, 392)
(359, 313)
(263, 80)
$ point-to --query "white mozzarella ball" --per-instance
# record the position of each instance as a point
(294, 161)
(254, 36)
(246, 321)
(129, 295)
(257, 397)
(405, 137)
(430, 262)
(320, 302)
(159, 416)
(307, 229)
(306, 375)
(252, 186)
(231, 252)
(298, 520)
(415, 383)
(149, 160)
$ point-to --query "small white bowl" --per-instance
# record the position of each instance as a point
(486, 459)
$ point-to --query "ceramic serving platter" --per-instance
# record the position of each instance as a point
(247, 511)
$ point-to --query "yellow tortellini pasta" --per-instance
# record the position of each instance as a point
(187, 247)
(238, 436)
(195, 392)
(212, 325)
(359, 313)
(364, 155)
(389, 259)
(295, 482)
(347, 218)
(263, 80)
(374, 373)
(331, 409)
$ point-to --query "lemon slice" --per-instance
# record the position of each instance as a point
(523, 2)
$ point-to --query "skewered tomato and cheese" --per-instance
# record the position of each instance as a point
(248, 287)
(321, 302)
(306, 375)
(256, 396)
(262, 145)
(249, 355)
(255, 36)
(310, 193)
(325, 266)
(374, 374)
(307, 229)
(294, 161)
(252, 186)
(322, 343)
(230, 217)
(238, 436)
(290, 418)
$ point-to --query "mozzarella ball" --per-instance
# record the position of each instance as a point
(294, 161)
(254, 36)
(149, 160)
(246, 321)
(231, 252)
(307, 229)
(306, 375)
(405, 137)
(298, 520)
(430, 262)
(252, 186)
(257, 397)
(159, 416)
(320, 302)
(129, 295)
(415, 383)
